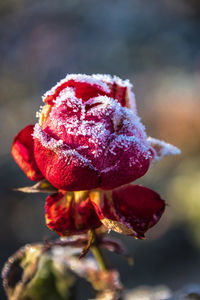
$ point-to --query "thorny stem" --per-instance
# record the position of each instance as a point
(97, 252)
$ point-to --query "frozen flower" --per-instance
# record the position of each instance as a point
(89, 138)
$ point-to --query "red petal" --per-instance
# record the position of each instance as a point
(129, 164)
(67, 216)
(65, 170)
(138, 207)
(23, 153)
(83, 90)
(120, 93)
(130, 210)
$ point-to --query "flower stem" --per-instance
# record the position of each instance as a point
(97, 252)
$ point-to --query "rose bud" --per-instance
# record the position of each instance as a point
(88, 137)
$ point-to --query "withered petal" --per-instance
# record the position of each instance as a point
(137, 207)
(70, 213)
(129, 210)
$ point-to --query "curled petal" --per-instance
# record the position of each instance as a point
(87, 87)
(120, 90)
(130, 210)
(23, 153)
(124, 95)
(83, 88)
(70, 213)
(161, 149)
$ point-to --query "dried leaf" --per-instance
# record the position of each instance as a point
(89, 243)
(40, 187)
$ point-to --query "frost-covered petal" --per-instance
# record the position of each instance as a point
(85, 87)
(130, 210)
(23, 153)
(70, 213)
(161, 149)
(90, 86)
(119, 89)
(126, 159)
(62, 166)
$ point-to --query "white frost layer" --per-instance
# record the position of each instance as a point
(46, 141)
(115, 79)
(125, 142)
(93, 120)
(96, 131)
(162, 148)
(111, 107)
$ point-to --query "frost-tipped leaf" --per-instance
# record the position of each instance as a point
(161, 149)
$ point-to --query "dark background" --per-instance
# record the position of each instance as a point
(156, 44)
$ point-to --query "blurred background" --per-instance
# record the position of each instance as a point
(156, 44)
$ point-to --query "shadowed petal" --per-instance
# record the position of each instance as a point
(23, 153)
(70, 213)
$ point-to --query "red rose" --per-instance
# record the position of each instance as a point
(89, 136)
